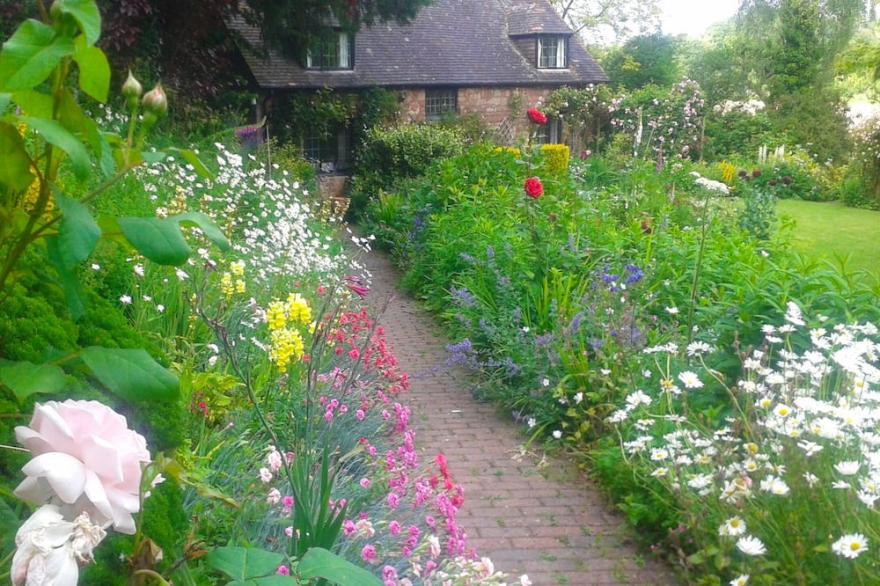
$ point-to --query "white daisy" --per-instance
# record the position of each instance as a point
(690, 380)
(850, 546)
(740, 580)
(733, 527)
(751, 545)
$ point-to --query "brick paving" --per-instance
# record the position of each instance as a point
(546, 521)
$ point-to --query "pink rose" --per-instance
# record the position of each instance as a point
(86, 459)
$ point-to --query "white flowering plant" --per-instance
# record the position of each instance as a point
(781, 484)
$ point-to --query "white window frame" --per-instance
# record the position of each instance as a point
(560, 60)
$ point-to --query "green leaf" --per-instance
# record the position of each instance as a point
(4, 102)
(76, 121)
(34, 103)
(78, 233)
(9, 524)
(15, 170)
(244, 563)
(87, 16)
(131, 373)
(57, 135)
(206, 225)
(160, 240)
(320, 563)
(26, 379)
(94, 70)
(193, 159)
(275, 581)
(69, 283)
(30, 55)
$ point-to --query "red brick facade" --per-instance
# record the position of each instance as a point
(497, 106)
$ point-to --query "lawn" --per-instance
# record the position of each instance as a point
(833, 230)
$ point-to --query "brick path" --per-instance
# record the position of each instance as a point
(548, 522)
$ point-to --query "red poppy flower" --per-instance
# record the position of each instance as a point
(533, 187)
(537, 116)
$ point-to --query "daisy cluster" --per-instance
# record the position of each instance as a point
(800, 446)
(270, 218)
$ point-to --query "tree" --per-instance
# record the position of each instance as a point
(604, 21)
(644, 60)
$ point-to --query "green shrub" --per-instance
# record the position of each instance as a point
(389, 155)
(737, 135)
(758, 214)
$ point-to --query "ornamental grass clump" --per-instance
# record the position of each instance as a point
(786, 487)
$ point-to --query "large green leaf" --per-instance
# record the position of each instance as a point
(70, 284)
(94, 70)
(86, 14)
(9, 524)
(34, 103)
(78, 233)
(193, 159)
(57, 135)
(131, 373)
(15, 169)
(160, 240)
(30, 55)
(206, 225)
(4, 102)
(321, 563)
(72, 117)
(26, 379)
(244, 563)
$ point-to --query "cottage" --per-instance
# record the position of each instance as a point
(457, 57)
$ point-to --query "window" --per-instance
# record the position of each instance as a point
(550, 133)
(333, 52)
(552, 52)
(329, 151)
(440, 103)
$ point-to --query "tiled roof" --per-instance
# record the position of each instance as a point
(530, 17)
(450, 42)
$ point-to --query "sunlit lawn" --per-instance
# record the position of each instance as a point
(832, 229)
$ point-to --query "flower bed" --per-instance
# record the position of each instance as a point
(555, 295)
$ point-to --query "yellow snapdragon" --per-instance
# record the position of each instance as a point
(287, 345)
(276, 316)
(298, 310)
(226, 285)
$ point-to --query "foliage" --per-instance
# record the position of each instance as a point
(867, 163)
(737, 134)
(587, 113)
(758, 214)
(609, 20)
(643, 60)
(389, 155)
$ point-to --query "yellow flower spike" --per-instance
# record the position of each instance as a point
(276, 316)
(226, 285)
(240, 286)
(298, 309)
(237, 269)
(287, 345)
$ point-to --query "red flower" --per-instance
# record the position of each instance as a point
(537, 116)
(533, 187)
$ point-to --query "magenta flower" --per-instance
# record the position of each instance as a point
(393, 500)
(365, 483)
(360, 414)
(283, 571)
(394, 528)
(368, 554)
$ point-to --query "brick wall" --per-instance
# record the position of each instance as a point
(492, 104)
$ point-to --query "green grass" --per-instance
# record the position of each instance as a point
(832, 230)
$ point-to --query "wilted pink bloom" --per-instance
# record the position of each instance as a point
(360, 415)
(365, 483)
(357, 286)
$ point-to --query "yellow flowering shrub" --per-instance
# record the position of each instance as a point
(515, 152)
(556, 158)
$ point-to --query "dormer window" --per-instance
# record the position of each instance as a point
(552, 52)
(335, 51)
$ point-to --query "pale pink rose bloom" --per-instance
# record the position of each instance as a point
(86, 460)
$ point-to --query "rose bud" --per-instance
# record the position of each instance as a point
(156, 101)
